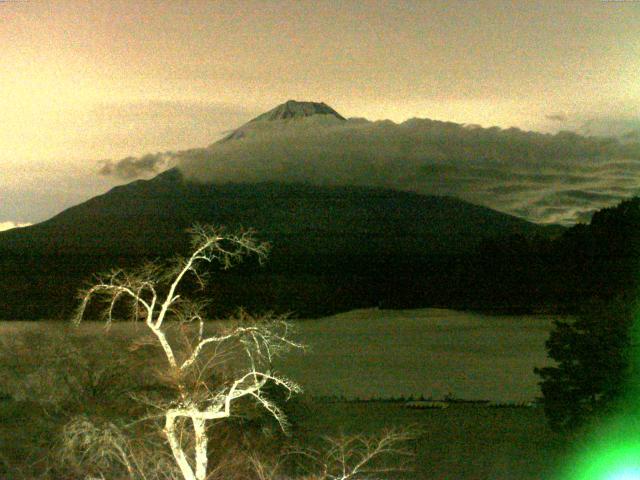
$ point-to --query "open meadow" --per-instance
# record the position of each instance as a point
(356, 356)
(429, 352)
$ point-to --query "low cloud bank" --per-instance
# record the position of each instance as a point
(8, 225)
(557, 117)
(134, 167)
(559, 178)
(627, 129)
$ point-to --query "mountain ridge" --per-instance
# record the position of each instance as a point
(334, 248)
(168, 198)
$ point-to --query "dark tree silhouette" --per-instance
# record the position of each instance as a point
(595, 364)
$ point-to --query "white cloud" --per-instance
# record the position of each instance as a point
(8, 225)
(542, 177)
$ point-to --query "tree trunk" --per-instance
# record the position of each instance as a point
(200, 430)
(176, 448)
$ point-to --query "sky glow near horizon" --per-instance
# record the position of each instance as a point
(82, 82)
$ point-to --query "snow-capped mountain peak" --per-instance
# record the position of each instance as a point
(293, 109)
(290, 113)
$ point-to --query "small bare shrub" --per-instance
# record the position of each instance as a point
(360, 457)
(63, 370)
(101, 449)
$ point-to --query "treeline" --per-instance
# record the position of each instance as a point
(515, 274)
(594, 262)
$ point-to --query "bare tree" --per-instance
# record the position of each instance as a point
(245, 347)
(351, 457)
(347, 457)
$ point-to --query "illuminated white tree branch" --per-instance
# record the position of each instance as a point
(153, 291)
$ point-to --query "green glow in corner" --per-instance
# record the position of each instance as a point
(615, 462)
(612, 451)
(625, 474)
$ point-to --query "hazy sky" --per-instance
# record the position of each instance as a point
(82, 81)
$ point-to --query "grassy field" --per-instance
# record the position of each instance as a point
(463, 442)
(50, 372)
(392, 353)
(431, 352)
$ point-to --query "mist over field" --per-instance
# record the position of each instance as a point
(547, 178)
(431, 352)
(392, 353)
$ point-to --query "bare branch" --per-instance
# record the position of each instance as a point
(351, 457)
(249, 345)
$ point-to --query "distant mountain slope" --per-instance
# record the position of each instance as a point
(149, 217)
(334, 248)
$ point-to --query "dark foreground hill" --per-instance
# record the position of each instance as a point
(334, 248)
